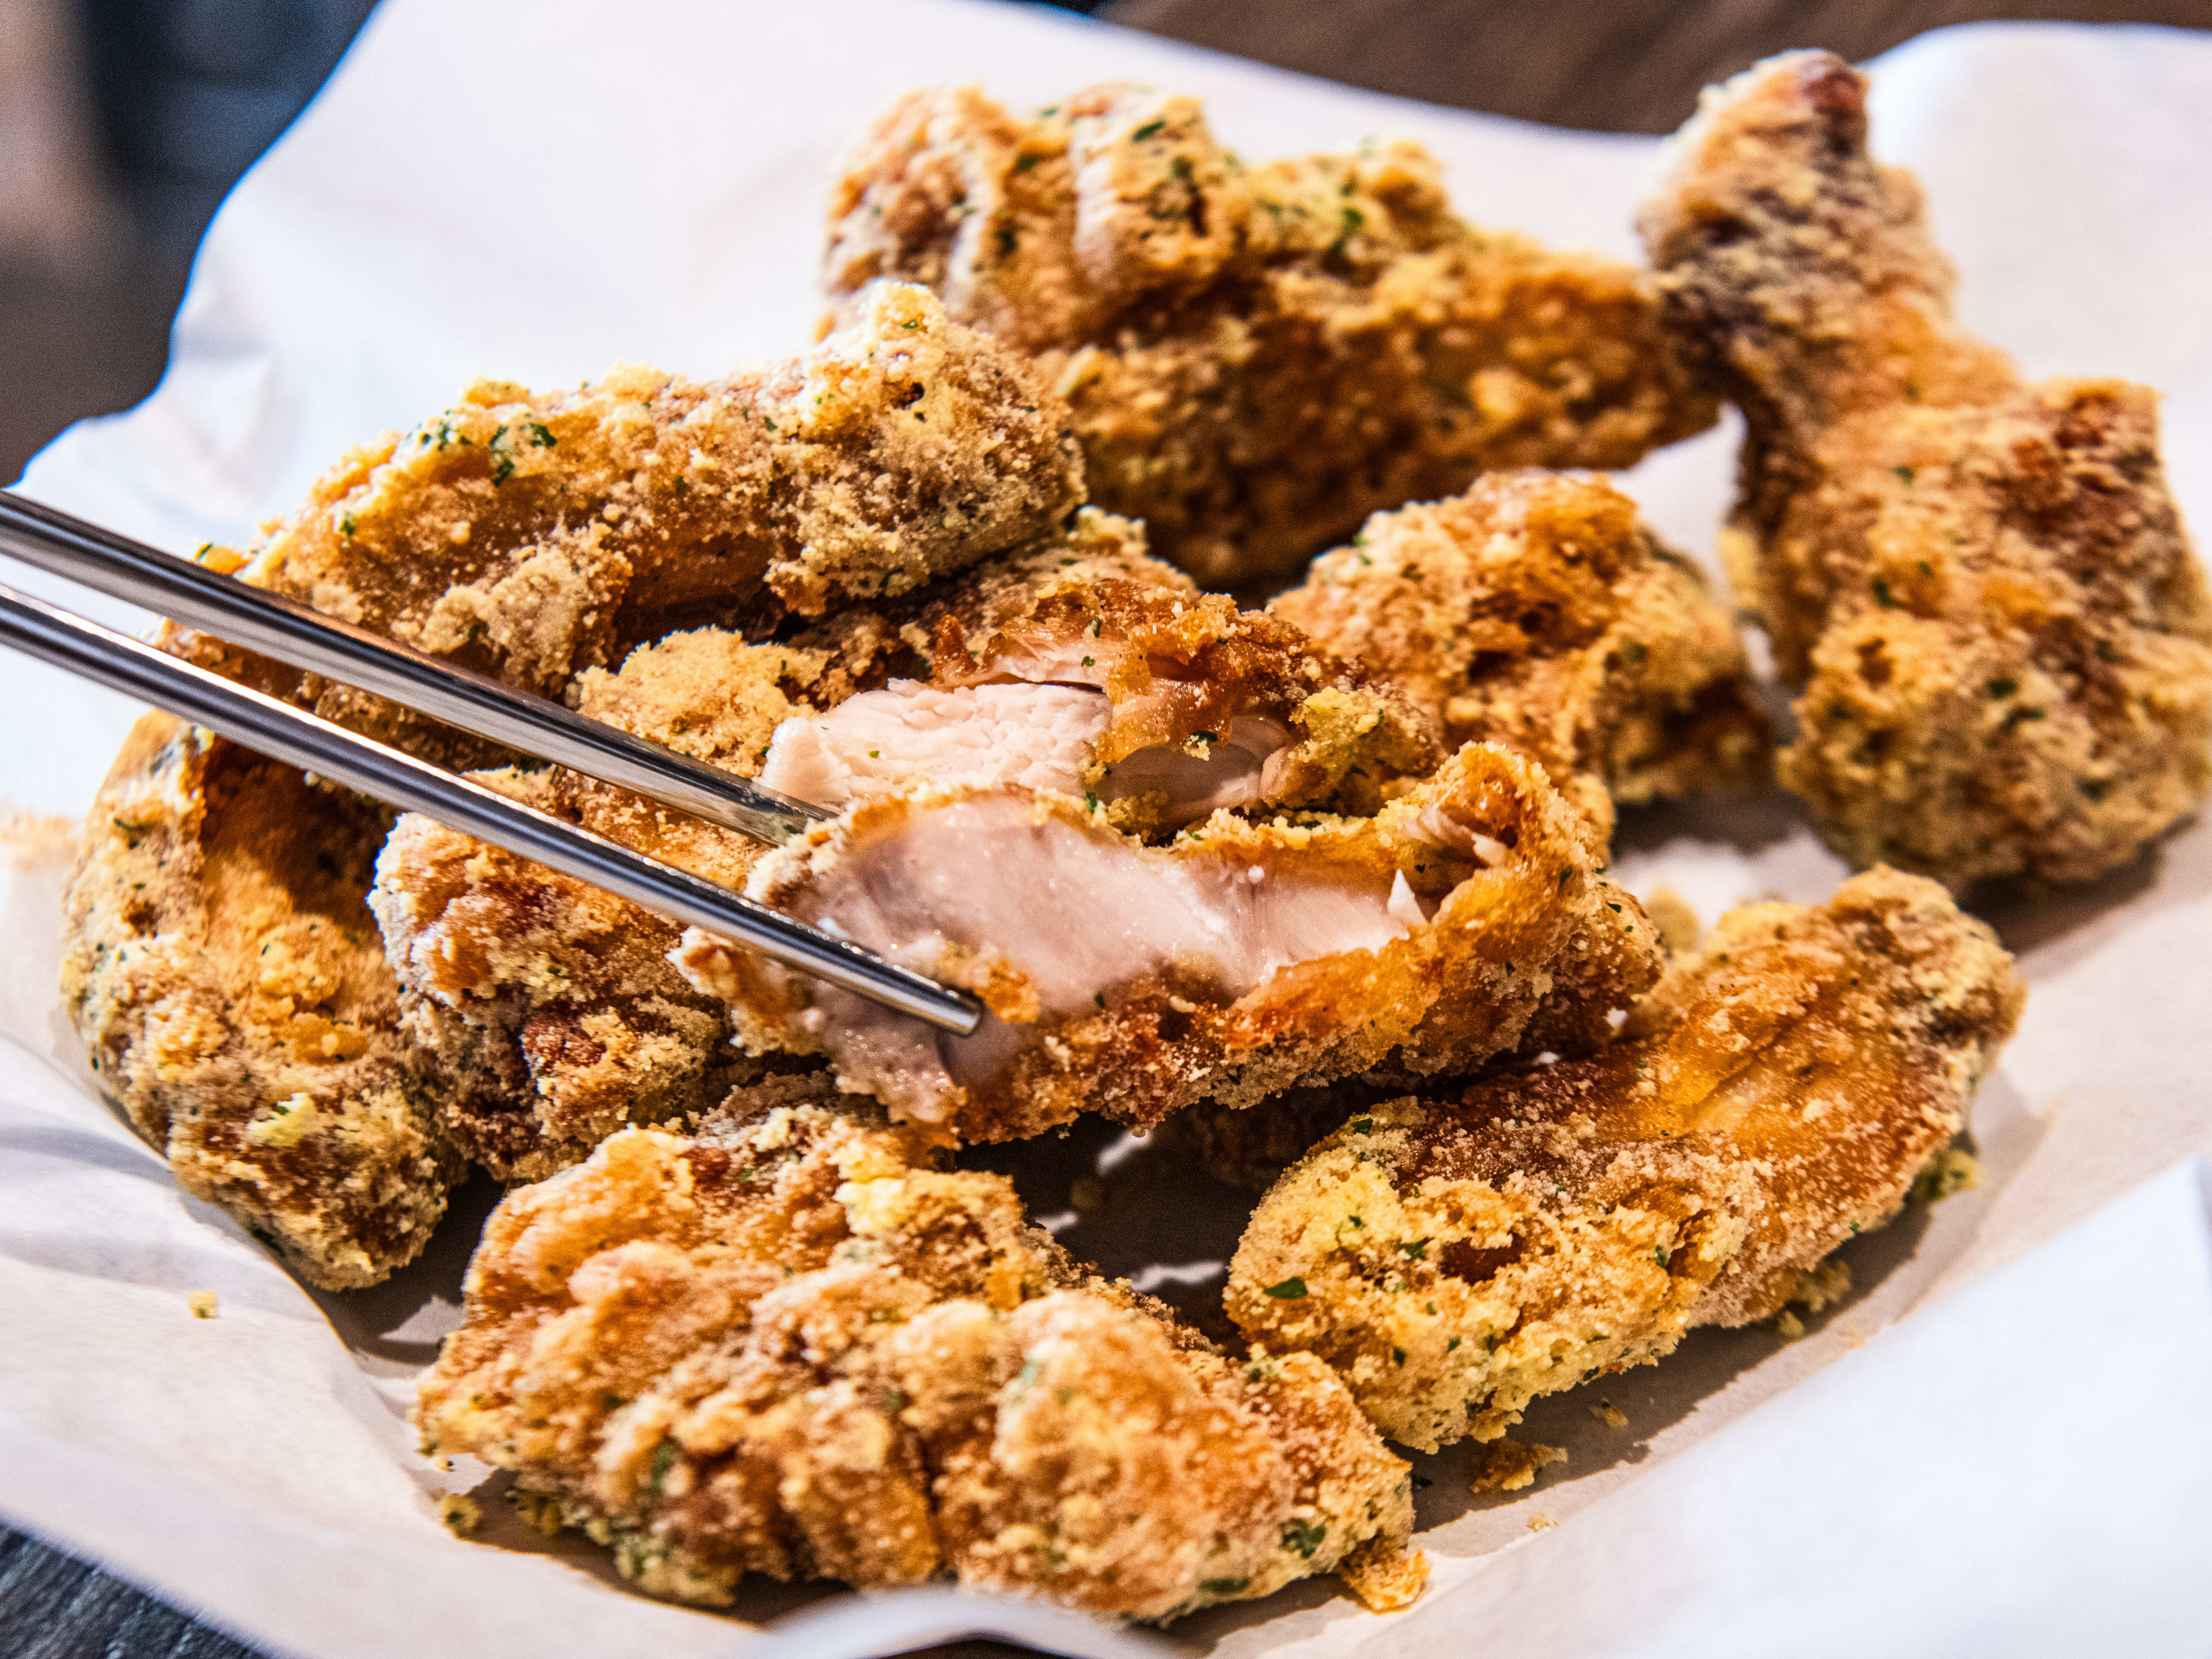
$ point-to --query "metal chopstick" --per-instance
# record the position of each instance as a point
(64, 545)
(277, 729)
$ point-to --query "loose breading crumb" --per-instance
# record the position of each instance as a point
(459, 1513)
(1510, 1465)
(1609, 1414)
(201, 1302)
(1949, 1171)
(1540, 1523)
(1680, 930)
(1087, 1193)
(538, 1511)
(1788, 1326)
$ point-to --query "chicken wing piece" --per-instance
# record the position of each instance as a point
(1079, 665)
(790, 1347)
(1536, 610)
(1258, 356)
(1983, 587)
(1455, 1257)
(229, 986)
(534, 536)
(1247, 955)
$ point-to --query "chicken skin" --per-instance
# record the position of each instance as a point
(1257, 356)
(219, 961)
(1982, 586)
(1079, 666)
(1454, 1256)
(790, 1347)
(1536, 610)
(1248, 955)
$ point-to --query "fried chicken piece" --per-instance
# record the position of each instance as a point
(1258, 356)
(1982, 587)
(1536, 610)
(230, 988)
(790, 1347)
(1454, 1258)
(1244, 958)
(534, 535)
(530, 537)
(1078, 665)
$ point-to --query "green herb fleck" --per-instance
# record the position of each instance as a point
(1289, 1291)
(663, 1459)
(1882, 595)
(2004, 686)
(1150, 130)
(1224, 1586)
(1305, 1536)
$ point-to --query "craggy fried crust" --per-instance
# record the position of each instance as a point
(228, 982)
(534, 536)
(1536, 610)
(1455, 1258)
(550, 1005)
(1257, 356)
(790, 1348)
(1521, 926)
(1984, 587)
(530, 537)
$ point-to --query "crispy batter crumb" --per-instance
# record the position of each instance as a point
(1540, 1523)
(1953, 1169)
(1609, 1414)
(1257, 356)
(1680, 930)
(459, 1513)
(201, 1302)
(1788, 1326)
(1510, 1466)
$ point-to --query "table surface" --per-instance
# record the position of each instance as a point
(1624, 65)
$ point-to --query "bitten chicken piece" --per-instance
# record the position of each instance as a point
(1536, 610)
(1258, 356)
(1079, 665)
(1983, 585)
(229, 983)
(789, 1347)
(532, 536)
(1455, 1257)
(1245, 957)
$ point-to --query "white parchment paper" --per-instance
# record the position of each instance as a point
(2001, 1443)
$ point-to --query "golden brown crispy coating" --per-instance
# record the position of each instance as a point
(790, 1347)
(534, 535)
(2003, 639)
(552, 1006)
(1536, 610)
(1454, 1258)
(1258, 356)
(228, 982)
(1246, 957)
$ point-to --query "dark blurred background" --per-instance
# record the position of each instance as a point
(124, 122)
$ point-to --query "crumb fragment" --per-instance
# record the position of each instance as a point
(459, 1513)
(539, 1511)
(1540, 1523)
(1385, 1578)
(1609, 1414)
(1087, 1193)
(1788, 1326)
(1949, 1171)
(1675, 918)
(1508, 1466)
(201, 1302)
